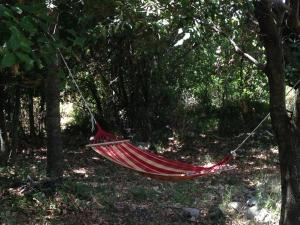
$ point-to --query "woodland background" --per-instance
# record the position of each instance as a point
(186, 79)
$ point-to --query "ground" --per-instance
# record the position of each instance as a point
(95, 191)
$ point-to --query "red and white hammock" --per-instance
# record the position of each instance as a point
(152, 165)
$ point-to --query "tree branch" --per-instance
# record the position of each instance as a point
(239, 50)
(293, 18)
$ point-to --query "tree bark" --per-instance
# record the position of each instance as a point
(297, 110)
(41, 117)
(54, 141)
(285, 130)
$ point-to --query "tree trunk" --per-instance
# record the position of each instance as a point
(297, 109)
(54, 141)
(3, 135)
(31, 114)
(285, 130)
(14, 131)
(95, 95)
(41, 117)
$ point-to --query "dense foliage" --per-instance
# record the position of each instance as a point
(152, 66)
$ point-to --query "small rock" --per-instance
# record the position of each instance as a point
(261, 215)
(191, 213)
(252, 202)
(156, 189)
(234, 205)
(252, 212)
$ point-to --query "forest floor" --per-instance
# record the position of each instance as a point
(95, 191)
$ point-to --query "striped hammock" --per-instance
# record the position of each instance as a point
(152, 165)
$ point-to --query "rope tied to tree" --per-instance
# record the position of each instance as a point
(92, 117)
(234, 152)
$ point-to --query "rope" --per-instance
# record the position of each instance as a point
(92, 117)
(93, 120)
(233, 152)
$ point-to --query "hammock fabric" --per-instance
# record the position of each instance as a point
(155, 166)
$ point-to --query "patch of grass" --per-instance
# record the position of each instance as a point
(142, 194)
(268, 192)
(183, 192)
(232, 193)
(227, 197)
(80, 189)
(139, 193)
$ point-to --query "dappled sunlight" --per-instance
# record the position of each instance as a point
(67, 111)
(40, 158)
(86, 172)
(96, 158)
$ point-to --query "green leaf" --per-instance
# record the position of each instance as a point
(13, 42)
(4, 11)
(79, 41)
(8, 60)
(27, 25)
(23, 57)
(25, 44)
(18, 41)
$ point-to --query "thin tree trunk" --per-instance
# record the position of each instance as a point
(15, 120)
(41, 117)
(54, 141)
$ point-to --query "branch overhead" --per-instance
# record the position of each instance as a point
(239, 50)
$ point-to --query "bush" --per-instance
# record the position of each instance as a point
(240, 116)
